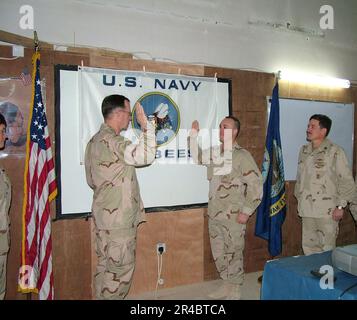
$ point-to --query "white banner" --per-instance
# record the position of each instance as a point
(175, 101)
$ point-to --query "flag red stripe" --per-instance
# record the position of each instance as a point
(44, 264)
(32, 251)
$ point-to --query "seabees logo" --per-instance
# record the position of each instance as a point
(165, 112)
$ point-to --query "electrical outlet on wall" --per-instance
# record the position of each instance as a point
(160, 248)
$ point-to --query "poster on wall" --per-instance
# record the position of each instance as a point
(15, 101)
(15, 97)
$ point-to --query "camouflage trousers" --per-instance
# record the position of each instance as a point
(318, 234)
(4, 248)
(116, 261)
(3, 275)
(227, 245)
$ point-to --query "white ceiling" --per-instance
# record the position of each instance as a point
(203, 31)
(302, 14)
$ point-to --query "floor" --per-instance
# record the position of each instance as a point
(200, 291)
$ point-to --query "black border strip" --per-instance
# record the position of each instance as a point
(57, 84)
(229, 81)
(86, 215)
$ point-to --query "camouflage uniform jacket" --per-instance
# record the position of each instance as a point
(236, 189)
(324, 180)
(110, 162)
(5, 199)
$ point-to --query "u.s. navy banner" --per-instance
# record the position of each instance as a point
(174, 100)
(271, 212)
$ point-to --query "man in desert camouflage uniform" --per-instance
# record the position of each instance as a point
(117, 208)
(5, 198)
(235, 191)
(324, 186)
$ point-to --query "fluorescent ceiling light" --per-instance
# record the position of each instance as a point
(314, 79)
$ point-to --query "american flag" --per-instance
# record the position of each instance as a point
(39, 190)
(25, 77)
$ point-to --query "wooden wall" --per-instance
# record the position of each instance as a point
(71, 238)
(188, 258)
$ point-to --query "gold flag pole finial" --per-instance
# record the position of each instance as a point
(36, 42)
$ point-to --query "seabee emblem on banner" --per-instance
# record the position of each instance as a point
(165, 112)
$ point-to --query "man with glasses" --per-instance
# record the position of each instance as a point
(110, 161)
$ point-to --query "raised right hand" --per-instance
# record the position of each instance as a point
(140, 115)
(195, 126)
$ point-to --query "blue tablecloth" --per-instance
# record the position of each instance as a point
(291, 279)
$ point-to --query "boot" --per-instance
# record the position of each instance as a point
(235, 292)
(222, 292)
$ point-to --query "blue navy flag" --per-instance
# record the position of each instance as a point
(272, 210)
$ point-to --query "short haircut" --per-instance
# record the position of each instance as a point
(236, 122)
(324, 121)
(2, 120)
(112, 102)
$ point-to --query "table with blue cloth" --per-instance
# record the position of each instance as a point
(291, 279)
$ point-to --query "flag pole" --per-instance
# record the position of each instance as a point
(35, 41)
(36, 48)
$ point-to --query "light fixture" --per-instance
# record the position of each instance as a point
(314, 79)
